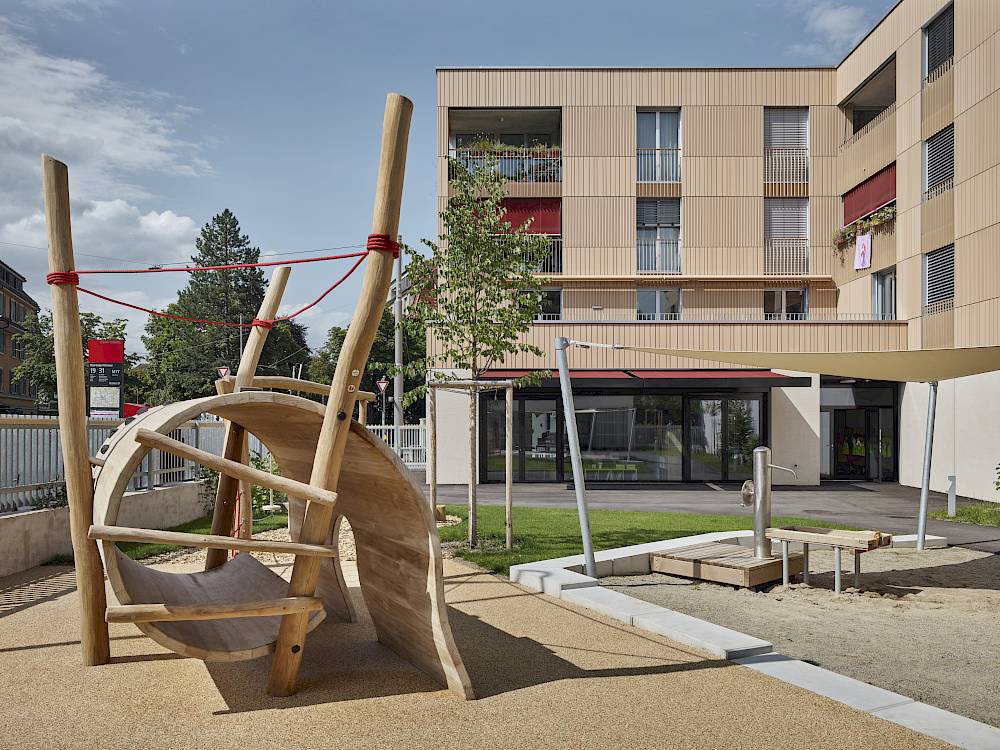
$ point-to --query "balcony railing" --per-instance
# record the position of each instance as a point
(869, 126)
(658, 316)
(542, 317)
(786, 316)
(658, 164)
(940, 189)
(939, 71)
(786, 164)
(553, 263)
(516, 166)
(786, 256)
(658, 256)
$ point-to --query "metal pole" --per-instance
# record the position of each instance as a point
(509, 464)
(397, 379)
(928, 450)
(432, 444)
(952, 499)
(579, 482)
(761, 502)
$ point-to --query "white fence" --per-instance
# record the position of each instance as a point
(31, 458)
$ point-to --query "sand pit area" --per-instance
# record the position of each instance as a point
(548, 675)
(926, 624)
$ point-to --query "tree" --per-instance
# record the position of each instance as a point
(476, 291)
(184, 357)
(38, 367)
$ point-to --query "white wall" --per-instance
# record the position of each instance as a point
(966, 435)
(795, 431)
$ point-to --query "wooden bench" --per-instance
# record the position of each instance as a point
(838, 539)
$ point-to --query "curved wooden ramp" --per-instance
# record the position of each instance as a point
(399, 555)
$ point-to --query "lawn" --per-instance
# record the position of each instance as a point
(140, 551)
(543, 533)
(985, 514)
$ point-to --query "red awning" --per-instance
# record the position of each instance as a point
(875, 192)
(543, 211)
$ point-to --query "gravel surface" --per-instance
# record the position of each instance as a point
(926, 625)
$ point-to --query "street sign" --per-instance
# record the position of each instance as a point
(105, 377)
(223, 372)
(382, 385)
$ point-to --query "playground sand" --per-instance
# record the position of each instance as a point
(549, 675)
(924, 625)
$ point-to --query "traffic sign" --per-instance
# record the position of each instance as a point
(223, 372)
(382, 385)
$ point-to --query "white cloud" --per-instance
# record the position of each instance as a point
(831, 28)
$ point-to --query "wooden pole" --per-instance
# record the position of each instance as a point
(235, 440)
(509, 465)
(73, 416)
(318, 520)
(473, 532)
(432, 443)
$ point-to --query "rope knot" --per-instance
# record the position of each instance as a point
(60, 278)
(383, 243)
(266, 324)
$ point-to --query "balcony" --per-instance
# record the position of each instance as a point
(543, 164)
(658, 256)
(553, 263)
(786, 257)
(658, 164)
(786, 165)
(523, 143)
(657, 316)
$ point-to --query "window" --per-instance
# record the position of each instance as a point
(884, 295)
(658, 304)
(939, 41)
(19, 387)
(786, 236)
(18, 312)
(658, 144)
(551, 305)
(939, 279)
(3, 341)
(658, 235)
(939, 161)
(786, 144)
(1, 380)
(16, 348)
(786, 304)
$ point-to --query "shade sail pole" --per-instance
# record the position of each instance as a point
(579, 481)
(928, 450)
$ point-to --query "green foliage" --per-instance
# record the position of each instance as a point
(184, 357)
(490, 146)
(844, 236)
(261, 496)
(38, 367)
(984, 514)
(53, 496)
(476, 291)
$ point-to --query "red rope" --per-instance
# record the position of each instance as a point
(63, 277)
(268, 324)
(383, 243)
(195, 269)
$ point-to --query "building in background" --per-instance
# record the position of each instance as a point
(698, 208)
(15, 306)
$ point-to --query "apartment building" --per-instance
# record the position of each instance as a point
(717, 209)
(15, 305)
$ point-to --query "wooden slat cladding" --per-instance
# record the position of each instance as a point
(883, 256)
(614, 303)
(977, 74)
(975, 22)
(937, 222)
(977, 270)
(722, 176)
(937, 104)
(722, 130)
(599, 131)
(607, 221)
(722, 222)
(598, 261)
(773, 337)
(908, 122)
(827, 130)
(864, 157)
(978, 324)
(824, 176)
(976, 202)
(910, 178)
(855, 297)
(938, 330)
(977, 147)
(598, 176)
(824, 218)
(748, 260)
(658, 190)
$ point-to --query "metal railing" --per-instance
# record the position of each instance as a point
(939, 71)
(411, 446)
(516, 166)
(869, 126)
(658, 164)
(548, 317)
(658, 256)
(786, 164)
(657, 316)
(941, 306)
(553, 263)
(939, 189)
(785, 316)
(786, 256)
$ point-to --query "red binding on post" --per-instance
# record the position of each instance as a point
(266, 324)
(384, 243)
(63, 277)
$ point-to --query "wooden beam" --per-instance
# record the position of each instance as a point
(235, 469)
(73, 415)
(176, 612)
(286, 383)
(208, 541)
(94, 461)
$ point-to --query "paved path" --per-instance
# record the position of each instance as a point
(886, 507)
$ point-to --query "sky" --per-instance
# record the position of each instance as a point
(169, 112)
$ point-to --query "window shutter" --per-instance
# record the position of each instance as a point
(940, 34)
(786, 218)
(940, 275)
(940, 157)
(658, 213)
(786, 127)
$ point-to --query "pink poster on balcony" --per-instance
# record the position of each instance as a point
(862, 252)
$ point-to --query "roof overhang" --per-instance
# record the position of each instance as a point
(633, 379)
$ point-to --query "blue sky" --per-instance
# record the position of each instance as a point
(168, 112)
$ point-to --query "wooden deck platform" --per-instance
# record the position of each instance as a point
(733, 564)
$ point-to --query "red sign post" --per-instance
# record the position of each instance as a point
(105, 378)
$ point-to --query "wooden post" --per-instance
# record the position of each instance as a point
(318, 520)
(235, 440)
(509, 465)
(473, 533)
(73, 416)
(432, 444)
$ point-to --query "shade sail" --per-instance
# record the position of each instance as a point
(919, 365)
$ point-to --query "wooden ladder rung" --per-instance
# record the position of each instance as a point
(209, 541)
(220, 611)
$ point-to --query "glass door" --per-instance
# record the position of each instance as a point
(705, 453)
(539, 444)
(850, 444)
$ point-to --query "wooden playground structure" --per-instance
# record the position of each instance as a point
(331, 466)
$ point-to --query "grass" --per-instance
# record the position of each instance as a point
(984, 514)
(140, 550)
(543, 533)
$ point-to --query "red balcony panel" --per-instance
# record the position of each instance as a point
(544, 211)
(873, 193)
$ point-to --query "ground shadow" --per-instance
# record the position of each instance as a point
(35, 586)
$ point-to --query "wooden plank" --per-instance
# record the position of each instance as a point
(863, 540)
(208, 541)
(235, 469)
(130, 613)
(731, 564)
(296, 384)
